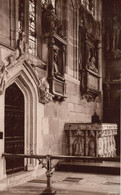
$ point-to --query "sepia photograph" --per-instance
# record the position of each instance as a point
(60, 97)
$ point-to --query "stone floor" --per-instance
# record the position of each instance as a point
(70, 183)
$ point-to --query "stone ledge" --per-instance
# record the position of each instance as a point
(90, 126)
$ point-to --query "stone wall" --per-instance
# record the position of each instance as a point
(56, 114)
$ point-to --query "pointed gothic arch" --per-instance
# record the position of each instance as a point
(27, 83)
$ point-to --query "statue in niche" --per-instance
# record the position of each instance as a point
(91, 64)
(91, 60)
(57, 73)
(116, 33)
(91, 148)
(21, 44)
(78, 146)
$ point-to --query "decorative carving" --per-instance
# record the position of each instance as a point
(51, 23)
(56, 68)
(91, 148)
(91, 133)
(116, 33)
(21, 52)
(78, 146)
(91, 64)
(89, 85)
(88, 23)
(98, 139)
(112, 30)
(57, 73)
(43, 84)
(44, 94)
(88, 97)
(89, 58)
(22, 56)
(92, 6)
(3, 76)
(53, 29)
(115, 53)
(21, 44)
(77, 133)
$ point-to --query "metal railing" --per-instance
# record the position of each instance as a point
(46, 161)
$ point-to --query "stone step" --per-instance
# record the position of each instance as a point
(104, 167)
(19, 178)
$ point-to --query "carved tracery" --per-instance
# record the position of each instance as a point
(91, 139)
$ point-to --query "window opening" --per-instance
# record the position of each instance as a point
(21, 16)
(32, 27)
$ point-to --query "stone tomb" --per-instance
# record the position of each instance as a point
(87, 139)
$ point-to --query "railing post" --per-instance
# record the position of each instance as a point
(49, 190)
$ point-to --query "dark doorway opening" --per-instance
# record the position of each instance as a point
(14, 128)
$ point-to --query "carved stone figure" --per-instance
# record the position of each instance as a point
(116, 32)
(55, 62)
(44, 85)
(3, 74)
(78, 146)
(92, 65)
(92, 148)
(57, 74)
(21, 44)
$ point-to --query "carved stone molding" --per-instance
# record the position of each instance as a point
(15, 58)
(90, 97)
(77, 133)
(21, 57)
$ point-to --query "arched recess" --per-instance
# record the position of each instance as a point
(26, 83)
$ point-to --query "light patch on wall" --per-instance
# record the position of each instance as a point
(45, 126)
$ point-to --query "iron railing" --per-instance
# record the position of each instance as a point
(46, 161)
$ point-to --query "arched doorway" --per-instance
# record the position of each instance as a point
(14, 127)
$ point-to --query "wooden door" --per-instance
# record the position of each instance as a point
(14, 128)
